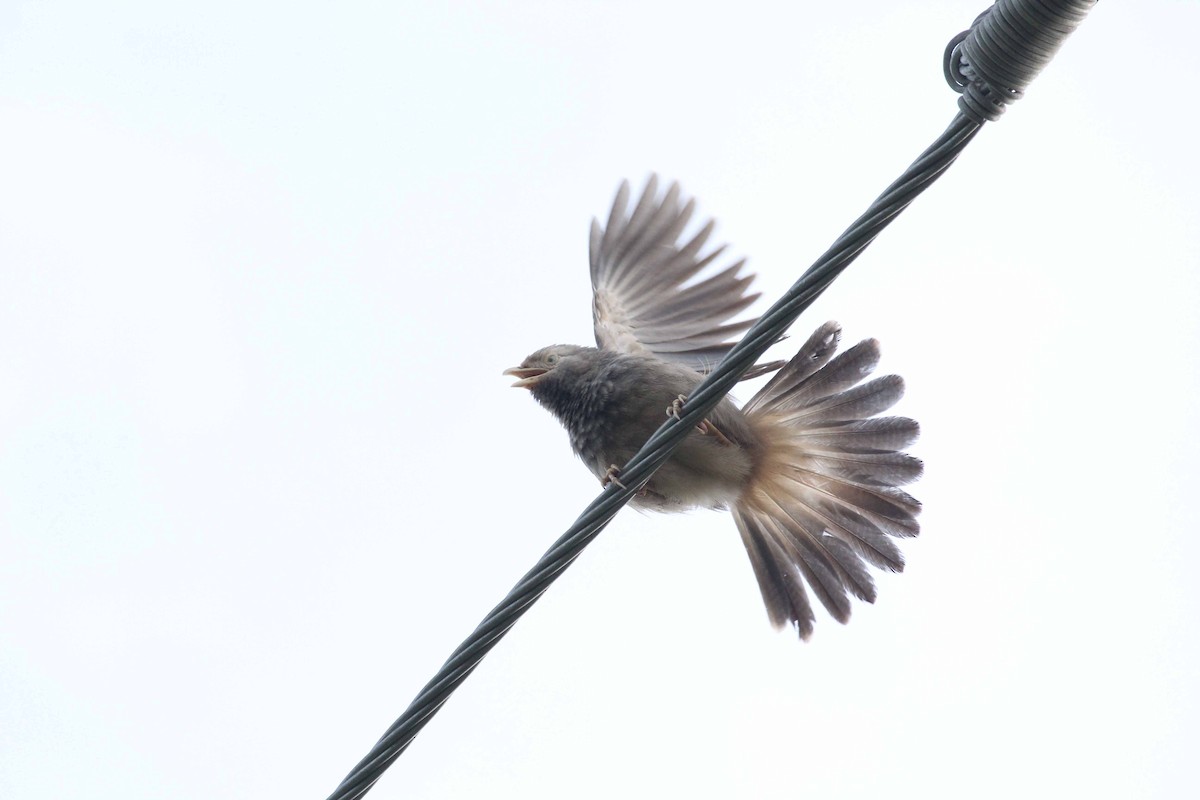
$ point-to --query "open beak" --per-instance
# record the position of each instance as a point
(527, 376)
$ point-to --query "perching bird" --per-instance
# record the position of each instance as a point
(811, 474)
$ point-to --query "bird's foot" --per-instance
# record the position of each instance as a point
(610, 476)
(676, 406)
(705, 428)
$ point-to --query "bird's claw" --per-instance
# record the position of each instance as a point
(610, 476)
(676, 406)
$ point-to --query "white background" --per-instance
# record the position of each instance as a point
(261, 265)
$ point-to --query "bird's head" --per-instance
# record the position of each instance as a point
(544, 362)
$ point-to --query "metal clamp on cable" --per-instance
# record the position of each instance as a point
(1004, 50)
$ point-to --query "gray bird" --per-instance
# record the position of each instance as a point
(809, 470)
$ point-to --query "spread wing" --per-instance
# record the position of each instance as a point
(643, 297)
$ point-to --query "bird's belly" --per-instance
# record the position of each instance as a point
(701, 473)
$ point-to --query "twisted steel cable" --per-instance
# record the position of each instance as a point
(990, 65)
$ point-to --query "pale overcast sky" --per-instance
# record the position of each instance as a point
(261, 265)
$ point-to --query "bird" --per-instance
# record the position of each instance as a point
(809, 468)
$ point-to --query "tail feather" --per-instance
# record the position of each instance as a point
(818, 567)
(858, 579)
(824, 500)
(857, 531)
(860, 402)
(895, 524)
(875, 435)
(871, 469)
(866, 539)
(884, 504)
(839, 374)
(782, 590)
(813, 355)
(819, 546)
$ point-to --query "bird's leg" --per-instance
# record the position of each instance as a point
(705, 428)
(611, 477)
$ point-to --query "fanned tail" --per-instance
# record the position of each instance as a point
(824, 500)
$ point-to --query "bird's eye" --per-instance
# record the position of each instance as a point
(552, 359)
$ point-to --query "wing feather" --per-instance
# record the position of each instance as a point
(646, 296)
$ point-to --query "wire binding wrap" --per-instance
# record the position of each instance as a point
(1004, 50)
(1060, 17)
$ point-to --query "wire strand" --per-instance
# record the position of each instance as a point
(1041, 26)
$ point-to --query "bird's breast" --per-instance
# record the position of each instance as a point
(611, 413)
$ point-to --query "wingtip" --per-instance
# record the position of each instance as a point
(651, 187)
